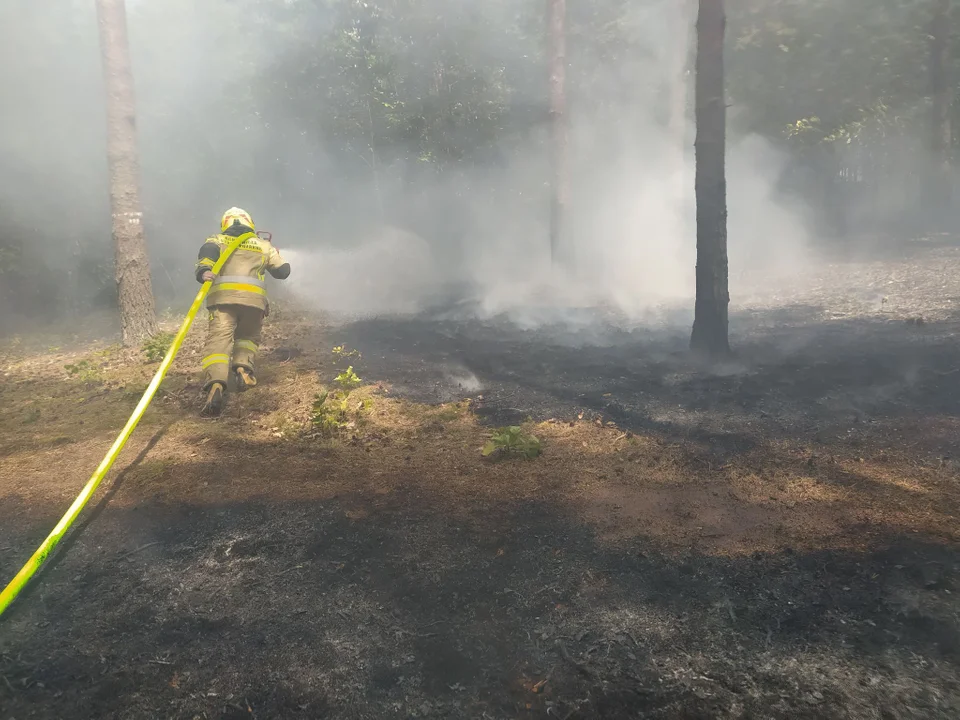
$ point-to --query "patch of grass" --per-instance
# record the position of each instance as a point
(449, 413)
(134, 390)
(84, 371)
(285, 426)
(152, 472)
(512, 441)
(156, 347)
(435, 414)
(109, 351)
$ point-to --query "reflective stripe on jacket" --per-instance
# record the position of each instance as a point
(242, 279)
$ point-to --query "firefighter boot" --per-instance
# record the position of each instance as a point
(245, 379)
(214, 404)
(245, 346)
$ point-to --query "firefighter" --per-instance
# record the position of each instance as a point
(237, 303)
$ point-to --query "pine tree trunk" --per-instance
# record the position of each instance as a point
(710, 323)
(939, 191)
(556, 13)
(135, 292)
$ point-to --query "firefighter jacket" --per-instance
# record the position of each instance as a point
(241, 280)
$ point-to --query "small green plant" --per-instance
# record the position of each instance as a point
(348, 380)
(324, 418)
(84, 371)
(341, 352)
(514, 441)
(335, 411)
(156, 347)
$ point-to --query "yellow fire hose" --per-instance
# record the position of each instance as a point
(11, 591)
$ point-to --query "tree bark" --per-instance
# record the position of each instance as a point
(556, 13)
(135, 291)
(940, 191)
(710, 325)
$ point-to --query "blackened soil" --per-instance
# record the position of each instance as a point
(274, 610)
(796, 373)
(333, 593)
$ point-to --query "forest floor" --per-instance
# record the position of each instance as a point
(776, 538)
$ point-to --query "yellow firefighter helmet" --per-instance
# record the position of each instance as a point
(236, 216)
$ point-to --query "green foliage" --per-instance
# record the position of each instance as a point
(442, 84)
(333, 412)
(341, 352)
(156, 347)
(822, 71)
(84, 371)
(348, 380)
(324, 418)
(512, 441)
(403, 80)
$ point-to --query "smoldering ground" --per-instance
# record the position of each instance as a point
(780, 542)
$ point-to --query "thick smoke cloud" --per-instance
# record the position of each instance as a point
(631, 240)
(213, 134)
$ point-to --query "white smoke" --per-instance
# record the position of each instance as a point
(632, 251)
(630, 241)
(392, 272)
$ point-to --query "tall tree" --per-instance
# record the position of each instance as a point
(137, 309)
(939, 191)
(710, 325)
(557, 30)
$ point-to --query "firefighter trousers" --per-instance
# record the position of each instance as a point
(233, 338)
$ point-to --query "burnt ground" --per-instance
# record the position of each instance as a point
(775, 538)
(846, 352)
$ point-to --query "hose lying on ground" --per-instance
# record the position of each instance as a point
(11, 591)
